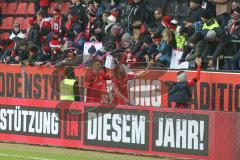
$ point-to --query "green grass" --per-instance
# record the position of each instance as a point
(31, 152)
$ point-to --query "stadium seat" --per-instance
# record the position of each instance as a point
(52, 7)
(19, 20)
(4, 35)
(11, 8)
(65, 7)
(3, 5)
(7, 23)
(30, 9)
(21, 8)
(25, 23)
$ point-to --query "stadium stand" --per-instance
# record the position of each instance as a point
(21, 8)
(7, 23)
(30, 9)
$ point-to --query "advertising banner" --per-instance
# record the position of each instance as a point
(126, 129)
(120, 128)
(180, 133)
(216, 91)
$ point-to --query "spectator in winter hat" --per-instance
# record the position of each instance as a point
(33, 33)
(55, 43)
(166, 22)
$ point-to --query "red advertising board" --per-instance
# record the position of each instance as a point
(217, 91)
(31, 113)
(144, 130)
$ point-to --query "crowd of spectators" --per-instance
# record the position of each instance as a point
(129, 33)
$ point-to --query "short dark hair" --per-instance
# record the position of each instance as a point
(69, 72)
(41, 13)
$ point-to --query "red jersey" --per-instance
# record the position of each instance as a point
(96, 86)
(122, 85)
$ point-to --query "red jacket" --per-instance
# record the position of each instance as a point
(44, 3)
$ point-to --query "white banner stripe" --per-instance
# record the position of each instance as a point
(16, 156)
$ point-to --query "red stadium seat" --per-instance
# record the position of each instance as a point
(19, 20)
(30, 9)
(11, 8)
(4, 35)
(25, 23)
(21, 9)
(3, 5)
(52, 7)
(65, 7)
(7, 23)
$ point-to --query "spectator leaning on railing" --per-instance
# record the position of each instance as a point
(140, 37)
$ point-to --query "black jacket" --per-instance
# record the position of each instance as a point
(34, 35)
(80, 12)
(196, 13)
(138, 12)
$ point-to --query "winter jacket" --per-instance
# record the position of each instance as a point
(150, 50)
(196, 13)
(180, 93)
(97, 23)
(68, 29)
(80, 12)
(34, 35)
(165, 49)
(137, 12)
